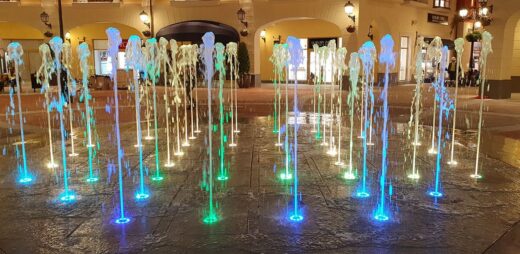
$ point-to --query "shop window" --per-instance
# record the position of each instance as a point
(403, 58)
(301, 73)
(441, 4)
(103, 62)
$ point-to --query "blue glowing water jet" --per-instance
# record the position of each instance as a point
(295, 52)
(15, 52)
(387, 57)
(445, 105)
(367, 54)
(134, 56)
(57, 47)
(114, 40)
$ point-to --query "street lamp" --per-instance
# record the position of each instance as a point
(477, 24)
(479, 15)
(241, 16)
(143, 16)
(349, 10)
(262, 35)
(463, 13)
(44, 17)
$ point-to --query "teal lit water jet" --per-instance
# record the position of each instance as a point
(153, 71)
(367, 55)
(134, 61)
(386, 57)
(114, 40)
(15, 52)
(83, 55)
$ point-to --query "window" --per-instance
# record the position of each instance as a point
(102, 62)
(301, 73)
(3, 62)
(403, 58)
(441, 4)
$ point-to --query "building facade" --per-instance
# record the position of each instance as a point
(405, 20)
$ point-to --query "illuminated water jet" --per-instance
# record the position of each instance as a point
(83, 55)
(486, 49)
(15, 52)
(114, 40)
(386, 57)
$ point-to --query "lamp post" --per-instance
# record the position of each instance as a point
(60, 19)
(241, 15)
(349, 10)
(479, 15)
(143, 16)
(44, 17)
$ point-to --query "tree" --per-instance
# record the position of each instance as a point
(243, 59)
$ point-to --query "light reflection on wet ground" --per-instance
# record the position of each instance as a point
(253, 204)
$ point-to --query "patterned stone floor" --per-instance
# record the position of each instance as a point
(254, 205)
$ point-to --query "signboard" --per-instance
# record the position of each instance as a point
(438, 19)
(321, 41)
(122, 46)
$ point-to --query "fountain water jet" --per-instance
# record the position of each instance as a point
(445, 104)
(386, 57)
(164, 59)
(354, 66)
(184, 50)
(434, 54)
(56, 44)
(135, 61)
(45, 71)
(459, 48)
(341, 54)
(367, 54)
(231, 50)
(207, 55)
(221, 68)
(175, 66)
(324, 58)
(114, 40)
(278, 61)
(332, 144)
(195, 55)
(486, 49)
(71, 87)
(83, 55)
(295, 51)
(153, 71)
(416, 102)
(15, 52)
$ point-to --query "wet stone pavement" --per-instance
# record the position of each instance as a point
(254, 205)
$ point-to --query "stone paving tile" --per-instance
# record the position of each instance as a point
(253, 205)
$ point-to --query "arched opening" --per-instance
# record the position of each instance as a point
(515, 61)
(309, 30)
(192, 32)
(30, 38)
(94, 35)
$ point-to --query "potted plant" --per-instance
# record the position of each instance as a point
(244, 79)
(474, 36)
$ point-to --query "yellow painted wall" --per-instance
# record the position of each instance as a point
(91, 32)
(301, 28)
(515, 64)
(19, 31)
